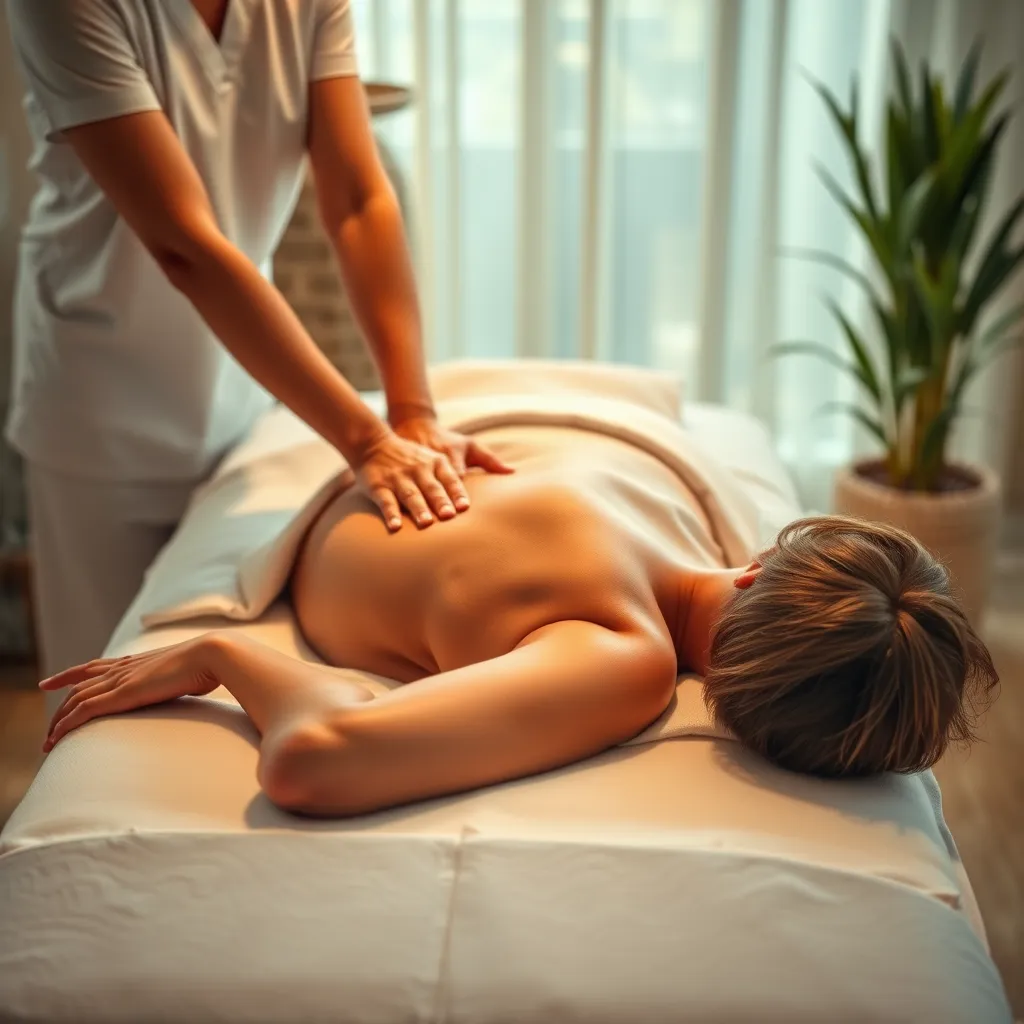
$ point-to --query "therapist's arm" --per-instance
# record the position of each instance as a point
(139, 163)
(361, 216)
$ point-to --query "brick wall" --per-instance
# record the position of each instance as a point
(307, 275)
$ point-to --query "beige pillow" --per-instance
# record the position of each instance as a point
(656, 390)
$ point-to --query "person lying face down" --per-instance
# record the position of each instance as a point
(550, 623)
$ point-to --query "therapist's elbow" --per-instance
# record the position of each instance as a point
(346, 217)
(187, 250)
(310, 771)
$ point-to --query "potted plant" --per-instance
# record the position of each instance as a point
(919, 215)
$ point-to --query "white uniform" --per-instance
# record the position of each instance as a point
(123, 400)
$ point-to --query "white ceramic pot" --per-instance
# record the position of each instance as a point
(959, 527)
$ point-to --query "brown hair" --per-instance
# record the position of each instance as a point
(848, 655)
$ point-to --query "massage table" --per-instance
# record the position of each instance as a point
(679, 878)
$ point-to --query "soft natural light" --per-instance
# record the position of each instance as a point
(651, 107)
(618, 179)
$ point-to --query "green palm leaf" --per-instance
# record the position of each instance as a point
(864, 366)
(969, 155)
(870, 227)
(902, 77)
(964, 226)
(994, 333)
(895, 347)
(991, 94)
(996, 266)
(898, 157)
(938, 296)
(931, 133)
(820, 351)
(848, 129)
(941, 147)
(829, 259)
(868, 421)
(912, 209)
(965, 81)
(973, 365)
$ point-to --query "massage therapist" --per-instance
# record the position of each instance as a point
(170, 143)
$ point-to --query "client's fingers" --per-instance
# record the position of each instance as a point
(73, 696)
(74, 701)
(76, 674)
(89, 708)
(483, 458)
(450, 478)
(57, 716)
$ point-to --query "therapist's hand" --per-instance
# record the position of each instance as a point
(419, 466)
(397, 473)
(464, 453)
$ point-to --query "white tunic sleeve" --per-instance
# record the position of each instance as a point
(78, 61)
(334, 51)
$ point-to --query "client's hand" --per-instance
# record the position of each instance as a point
(111, 685)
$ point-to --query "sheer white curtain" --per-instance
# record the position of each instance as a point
(620, 179)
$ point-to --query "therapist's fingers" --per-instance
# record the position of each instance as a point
(457, 457)
(450, 478)
(385, 500)
(482, 457)
(434, 491)
(411, 497)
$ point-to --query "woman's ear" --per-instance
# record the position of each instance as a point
(747, 576)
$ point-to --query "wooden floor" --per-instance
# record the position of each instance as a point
(983, 790)
(22, 723)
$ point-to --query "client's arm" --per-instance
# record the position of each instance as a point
(279, 693)
(568, 691)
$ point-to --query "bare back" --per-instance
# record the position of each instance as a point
(589, 531)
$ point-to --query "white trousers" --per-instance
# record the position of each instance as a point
(92, 542)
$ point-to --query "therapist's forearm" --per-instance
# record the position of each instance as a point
(257, 326)
(379, 281)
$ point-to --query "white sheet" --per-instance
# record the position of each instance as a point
(144, 877)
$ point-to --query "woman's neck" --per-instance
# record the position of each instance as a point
(701, 596)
